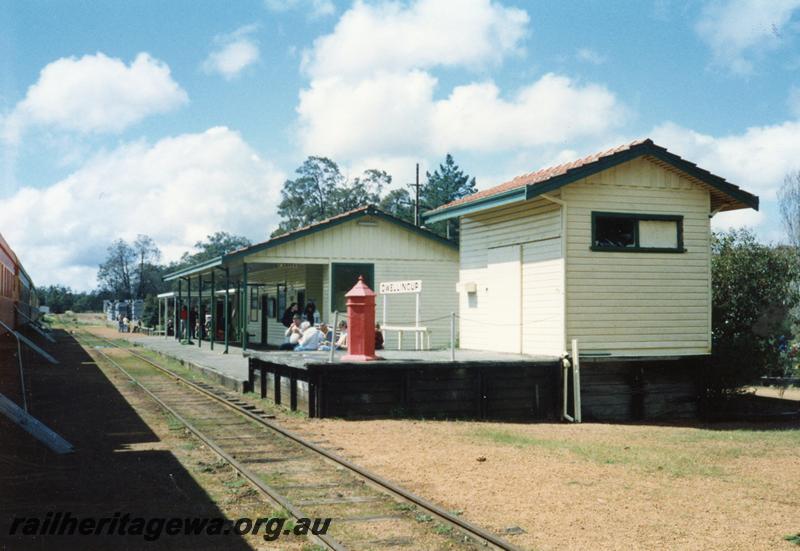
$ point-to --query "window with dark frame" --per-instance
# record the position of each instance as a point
(628, 232)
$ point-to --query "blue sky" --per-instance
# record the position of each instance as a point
(177, 119)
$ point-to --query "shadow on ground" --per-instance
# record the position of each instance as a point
(117, 465)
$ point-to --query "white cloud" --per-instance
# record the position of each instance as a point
(314, 8)
(554, 109)
(737, 31)
(396, 113)
(394, 37)
(373, 93)
(590, 56)
(177, 190)
(95, 93)
(756, 160)
(234, 52)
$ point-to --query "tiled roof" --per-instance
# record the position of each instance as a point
(540, 176)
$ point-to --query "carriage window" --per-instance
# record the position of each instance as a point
(637, 232)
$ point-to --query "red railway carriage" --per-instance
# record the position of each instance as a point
(18, 302)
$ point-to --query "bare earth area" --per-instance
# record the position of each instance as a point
(591, 486)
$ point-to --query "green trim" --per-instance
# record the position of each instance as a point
(639, 216)
(498, 200)
(647, 147)
(191, 270)
(334, 265)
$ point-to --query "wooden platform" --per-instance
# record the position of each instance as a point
(478, 385)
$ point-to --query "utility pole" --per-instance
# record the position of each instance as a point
(416, 199)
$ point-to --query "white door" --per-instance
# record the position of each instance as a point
(503, 325)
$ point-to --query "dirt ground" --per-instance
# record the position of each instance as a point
(592, 486)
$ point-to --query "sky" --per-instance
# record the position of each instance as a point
(178, 119)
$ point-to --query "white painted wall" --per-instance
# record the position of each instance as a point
(639, 304)
(397, 254)
(516, 306)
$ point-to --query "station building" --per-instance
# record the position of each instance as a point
(318, 264)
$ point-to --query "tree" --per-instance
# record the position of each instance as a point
(789, 201)
(398, 202)
(320, 191)
(60, 298)
(149, 274)
(114, 274)
(446, 184)
(216, 244)
(753, 294)
(362, 190)
(309, 197)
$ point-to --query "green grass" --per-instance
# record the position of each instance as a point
(173, 423)
(793, 538)
(666, 459)
(443, 529)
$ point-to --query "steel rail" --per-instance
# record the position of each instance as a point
(252, 477)
(375, 479)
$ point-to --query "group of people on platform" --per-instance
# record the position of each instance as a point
(304, 332)
(124, 325)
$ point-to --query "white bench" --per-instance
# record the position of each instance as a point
(423, 331)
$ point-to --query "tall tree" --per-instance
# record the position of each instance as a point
(114, 273)
(362, 190)
(320, 191)
(446, 184)
(214, 245)
(789, 201)
(399, 203)
(148, 274)
(310, 196)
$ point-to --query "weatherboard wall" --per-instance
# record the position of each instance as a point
(397, 254)
(635, 303)
(513, 256)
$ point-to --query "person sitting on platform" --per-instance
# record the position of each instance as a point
(289, 314)
(292, 334)
(341, 342)
(312, 337)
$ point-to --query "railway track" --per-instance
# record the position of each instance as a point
(298, 475)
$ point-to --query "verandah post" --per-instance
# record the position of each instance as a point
(225, 310)
(178, 306)
(200, 311)
(246, 306)
(213, 311)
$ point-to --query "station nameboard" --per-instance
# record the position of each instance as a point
(400, 287)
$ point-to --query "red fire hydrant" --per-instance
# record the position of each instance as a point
(361, 323)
